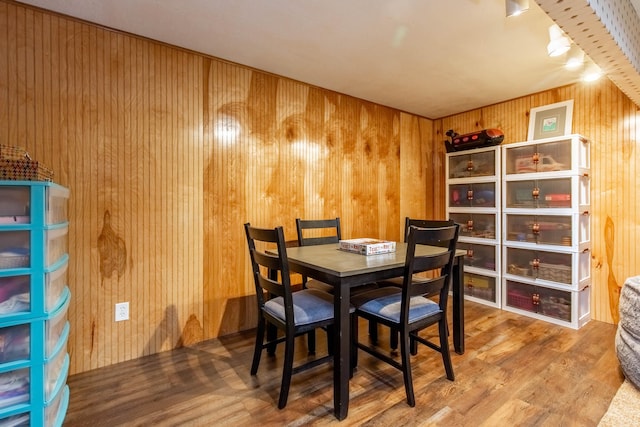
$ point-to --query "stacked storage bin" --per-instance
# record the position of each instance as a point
(34, 298)
(473, 201)
(546, 229)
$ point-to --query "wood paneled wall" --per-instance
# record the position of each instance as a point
(168, 152)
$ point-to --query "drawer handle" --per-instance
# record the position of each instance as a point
(469, 194)
(535, 158)
(470, 165)
(535, 298)
(535, 228)
(535, 263)
(470, 225)
(470, 253)
(535, 193)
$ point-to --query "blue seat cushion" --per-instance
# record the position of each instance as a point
(386, 302)
(309, 306)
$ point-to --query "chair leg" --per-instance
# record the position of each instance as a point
(354, 344)
(331, 336)
(444, 349)
(406, 366)
(287, 371)
(311, 342)
(413, 344)
(272, 334)
(393, 340)
(257, 351)
(373, 332)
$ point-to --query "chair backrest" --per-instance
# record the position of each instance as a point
(270, 272)
(321, 226)
(440, 265)
(425, 223)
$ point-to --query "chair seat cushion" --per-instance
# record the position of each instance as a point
(386, 302)
(309, 306)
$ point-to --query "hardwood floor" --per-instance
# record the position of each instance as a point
(516, 371)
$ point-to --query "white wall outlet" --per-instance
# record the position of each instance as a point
(122, 311)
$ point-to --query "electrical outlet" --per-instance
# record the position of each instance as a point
(122, 311)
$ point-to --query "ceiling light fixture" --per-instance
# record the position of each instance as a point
(559, 43)
(516, 7)
(591, 72)
(575, 58)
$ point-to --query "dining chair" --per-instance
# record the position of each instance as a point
(397, 281)
(408, 310)
(308, 230)
(322, 232)
(295, 313)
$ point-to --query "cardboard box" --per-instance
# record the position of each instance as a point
(367, 246)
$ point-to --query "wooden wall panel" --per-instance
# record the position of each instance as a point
(167, 153)
(605, 115)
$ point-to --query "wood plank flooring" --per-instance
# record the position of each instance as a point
(516, 371)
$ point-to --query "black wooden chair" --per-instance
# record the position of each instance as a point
(408, 310)
(308, 230)
(295, 313)
(397, 281)
(322, 232)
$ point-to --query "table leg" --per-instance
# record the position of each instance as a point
(341, 363)
(458, 305)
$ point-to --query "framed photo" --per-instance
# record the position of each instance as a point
(550, 120)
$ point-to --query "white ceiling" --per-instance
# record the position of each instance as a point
(428, 57)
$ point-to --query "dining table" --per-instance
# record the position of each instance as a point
(345, 270)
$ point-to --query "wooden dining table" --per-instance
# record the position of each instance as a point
(345, 270)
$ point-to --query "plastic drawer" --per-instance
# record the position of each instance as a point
(571, 269)
(15, 294)
(14, 249)
(569, 308)
(479, 255)
(57, 244)
(55, 283)
(561, 154)
(15, 205)
(56, 409)
(476, 195)
(56, 372)
(552, 193)
(14, 387)
(15, 343)
(55, 326)
(476, 225)
(57, 207)
(480, 286)
(472, 164)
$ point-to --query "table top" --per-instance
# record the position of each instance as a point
(336, 262)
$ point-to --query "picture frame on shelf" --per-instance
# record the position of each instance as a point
(550, 120)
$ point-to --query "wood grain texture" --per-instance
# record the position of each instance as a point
(498, 382)
(181, 149)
